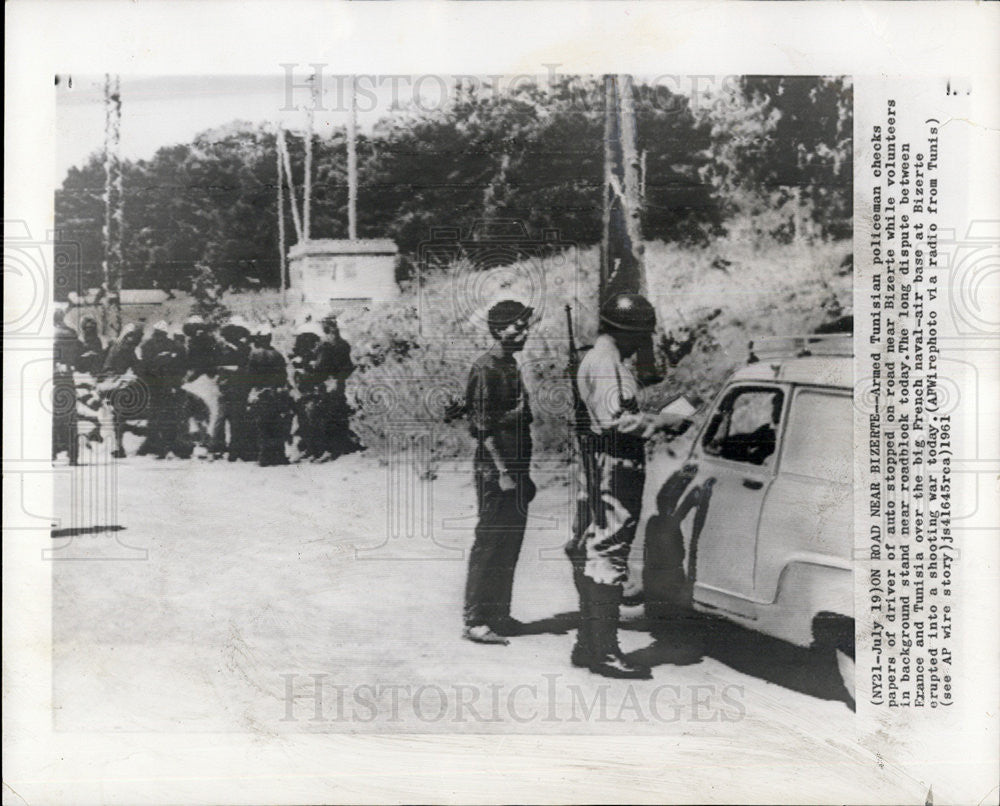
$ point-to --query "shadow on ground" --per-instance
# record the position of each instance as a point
(74, 531)
(687, 639)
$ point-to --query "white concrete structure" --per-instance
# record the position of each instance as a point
(340, 273)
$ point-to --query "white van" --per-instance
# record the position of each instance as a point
(754, 523)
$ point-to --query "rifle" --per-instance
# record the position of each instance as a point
(574, 358)
(581, 418)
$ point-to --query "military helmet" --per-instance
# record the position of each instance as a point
(507, 312)
(630, 312)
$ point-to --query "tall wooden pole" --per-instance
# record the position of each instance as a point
(282, 256)
(113, 203)
(352, 165)
(622, 261)
(622, 265)
(283, 152)
(307, 181)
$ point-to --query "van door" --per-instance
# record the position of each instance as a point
(809, 513)
(734, 458)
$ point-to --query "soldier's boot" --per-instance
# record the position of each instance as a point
(607, 659)
(582, 653)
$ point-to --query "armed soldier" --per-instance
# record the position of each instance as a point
(613, 460)
(500, 420)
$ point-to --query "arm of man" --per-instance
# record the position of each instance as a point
(484, 418)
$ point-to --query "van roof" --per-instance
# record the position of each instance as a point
(818, 370)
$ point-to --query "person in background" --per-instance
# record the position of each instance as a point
(500, 420)
(161, 368)
(201, 349)
(311, 390)
(93, 351)
(333, 361)
(118, 384)
(66, 353)
(234, 352)
(269, 403)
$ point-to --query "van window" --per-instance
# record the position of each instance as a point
(819, 439)
(745, 426)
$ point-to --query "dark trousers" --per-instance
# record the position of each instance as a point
(64, 419)
(233, 410)
(163, 422)
(270, 411)
(498, 538)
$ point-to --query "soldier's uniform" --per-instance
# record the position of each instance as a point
(612, 474)
(499, 414)
(614, 465)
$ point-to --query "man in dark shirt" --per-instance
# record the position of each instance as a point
(500, 420)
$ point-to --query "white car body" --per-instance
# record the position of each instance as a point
(762, 538)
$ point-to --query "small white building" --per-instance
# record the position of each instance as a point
(339, 273)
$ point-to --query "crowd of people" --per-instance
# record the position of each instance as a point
(226, 388)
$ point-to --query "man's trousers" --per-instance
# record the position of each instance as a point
(498, 538)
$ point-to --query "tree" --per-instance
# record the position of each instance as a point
(784, 144)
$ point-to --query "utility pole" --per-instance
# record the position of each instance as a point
(307, 181)
(352, 164)
(282, 258)
(622, 262)
(283, 155)
(113, 202)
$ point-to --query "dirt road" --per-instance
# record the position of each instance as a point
(327, 598)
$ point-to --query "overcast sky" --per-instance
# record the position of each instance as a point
(164, 110)
(159, 111)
